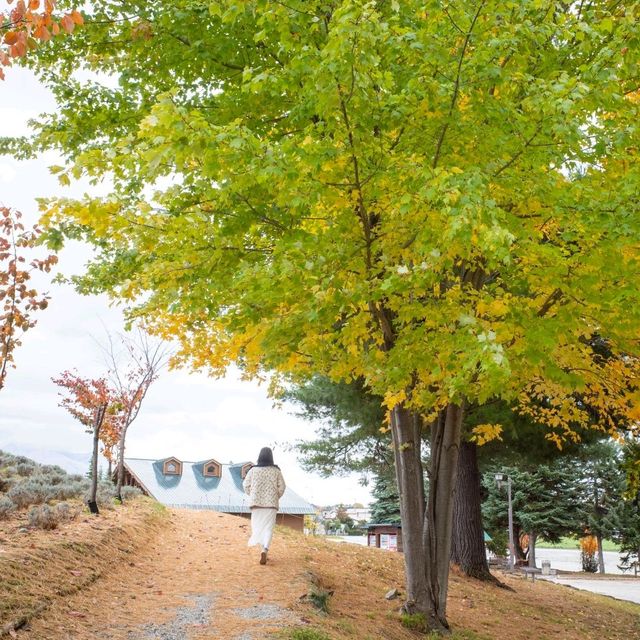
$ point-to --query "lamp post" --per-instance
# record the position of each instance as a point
(500, 478)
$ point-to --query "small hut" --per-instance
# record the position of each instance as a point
(385, 536)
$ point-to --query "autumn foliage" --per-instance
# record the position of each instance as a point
(83, 397)
(29, 22)
(18, 299)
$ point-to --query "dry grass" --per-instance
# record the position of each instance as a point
(40, 567)
(205, 553)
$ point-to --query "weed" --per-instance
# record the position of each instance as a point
(306, 634)
(346, 626)
(414, 621)
(319, 598)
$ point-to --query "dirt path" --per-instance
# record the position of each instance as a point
(198, 580)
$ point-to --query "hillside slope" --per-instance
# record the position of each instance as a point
(189, 575)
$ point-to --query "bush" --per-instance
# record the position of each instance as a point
(28, 492)
(105, 496)
(44, 517)
(70, 489)
(6, 507)
(47, 517)
(25, 469)
(128, 493)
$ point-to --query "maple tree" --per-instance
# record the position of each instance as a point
(95, 404)
(28, 22)
(19, 300)
(438, 200)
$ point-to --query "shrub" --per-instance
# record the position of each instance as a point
(28, 492)
(25, 469)
(105, 495)
(589, 546)
(70, 489)
(44, 517)
(129, 493)
(6, 507)
(65, 511)
(49, 517)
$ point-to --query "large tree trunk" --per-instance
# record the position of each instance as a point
(600, 553)
(445, 444)
(467, 543)
(407, 439)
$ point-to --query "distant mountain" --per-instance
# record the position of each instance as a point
(71, 462)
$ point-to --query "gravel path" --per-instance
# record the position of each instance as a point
(198, 581)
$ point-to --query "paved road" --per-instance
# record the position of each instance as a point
(569, 559)
(622, 589)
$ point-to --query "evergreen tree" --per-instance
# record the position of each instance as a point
(385, 507)
(628, 509)
(601, 485)
(545, 504)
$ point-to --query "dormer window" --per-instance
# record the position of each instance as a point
(172, 467)
(211, 469)
(245, 469)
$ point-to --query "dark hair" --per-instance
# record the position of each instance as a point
(265, 458)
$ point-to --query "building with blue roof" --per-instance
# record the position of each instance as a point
(206, 484)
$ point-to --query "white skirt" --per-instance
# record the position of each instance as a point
(262, 523)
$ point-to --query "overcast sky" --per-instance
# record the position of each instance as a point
(186, 415)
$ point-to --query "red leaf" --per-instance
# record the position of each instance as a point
(68, 24)
(11, 37)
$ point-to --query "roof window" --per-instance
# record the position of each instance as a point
(172, 467)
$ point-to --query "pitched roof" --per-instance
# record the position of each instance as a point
(193, 490)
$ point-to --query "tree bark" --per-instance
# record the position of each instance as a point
(467, 543)
(97, 424)
(600, 553)
(532, 548)
(445, 444)
(407, 439)
(120, 480)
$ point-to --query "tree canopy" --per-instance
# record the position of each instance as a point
(439, 200)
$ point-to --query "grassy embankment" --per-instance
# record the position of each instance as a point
(50, 547)
(359, 577)
(572, 543)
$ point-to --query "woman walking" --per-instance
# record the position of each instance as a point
(264, 485)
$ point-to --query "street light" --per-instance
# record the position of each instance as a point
(500, 478)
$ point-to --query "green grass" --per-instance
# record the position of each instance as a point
(305, 634)
(572, 543)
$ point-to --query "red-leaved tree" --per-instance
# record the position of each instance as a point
(95, 404)
(30, 21)
(18, 299)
